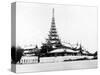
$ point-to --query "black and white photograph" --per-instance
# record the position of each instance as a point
(50, 37)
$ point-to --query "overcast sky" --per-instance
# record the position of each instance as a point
(75, 24)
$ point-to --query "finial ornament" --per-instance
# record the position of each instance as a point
(53, 12)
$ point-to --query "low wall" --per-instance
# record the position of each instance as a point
(29, 60)
(34, 59)
(61, 58)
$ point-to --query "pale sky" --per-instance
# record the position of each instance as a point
(75, 24)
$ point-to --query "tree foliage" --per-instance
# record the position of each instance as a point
(16, 54)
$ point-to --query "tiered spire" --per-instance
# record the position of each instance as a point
(53, 39)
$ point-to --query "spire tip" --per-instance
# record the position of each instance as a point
(53, 12)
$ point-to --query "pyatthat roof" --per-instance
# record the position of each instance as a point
(57, 51)
(70, 50)
(63, 50)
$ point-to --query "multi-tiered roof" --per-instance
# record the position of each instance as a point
(53, 38)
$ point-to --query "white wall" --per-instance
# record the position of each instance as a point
(5, 36)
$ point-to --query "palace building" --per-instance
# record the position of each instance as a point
(53, 50)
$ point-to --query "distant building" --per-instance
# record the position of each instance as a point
(30, 51)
